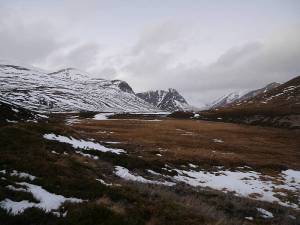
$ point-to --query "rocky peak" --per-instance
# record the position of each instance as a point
(169, 100)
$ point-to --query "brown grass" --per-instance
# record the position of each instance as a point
(134, 203)
(190, 140)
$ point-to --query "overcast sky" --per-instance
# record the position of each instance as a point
(204, 49)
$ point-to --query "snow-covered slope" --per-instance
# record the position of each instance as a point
(285, 97)
(169, 100)
(226, 99)
(254, 93)
(278, 106)
(66, 90)
(238, 97)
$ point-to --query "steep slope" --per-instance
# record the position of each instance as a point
(284, 99)
(279, 106)
(169, 100)
(254, 93)
(238, 97)
(66, 90)
(226, 99)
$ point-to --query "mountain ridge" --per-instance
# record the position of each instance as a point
(67, 90)
(169, 100)
(278, 106)
(240, 96)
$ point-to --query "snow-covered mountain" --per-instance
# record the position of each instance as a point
(254, 93)
(226, 99)
(169, 100)
(238, 97)
(275, 106)
(66, 90)
(284, 97)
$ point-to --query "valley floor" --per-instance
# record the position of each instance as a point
(147, 169)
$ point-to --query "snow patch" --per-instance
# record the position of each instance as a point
(192, 165)
(88, 155)
(47, 201)
(218, 140)
(15, 110)
(102, 116)
(15, 173)
(113, 142)
(265, 214)
(104, 183)
(245, 183)
(87, 145)
(197, 115)
(11, 121)
(127, 175)
(72, 120)
(153, 172)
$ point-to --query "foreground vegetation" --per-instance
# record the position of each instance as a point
(60, 170)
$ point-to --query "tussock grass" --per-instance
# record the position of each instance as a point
(23, 148)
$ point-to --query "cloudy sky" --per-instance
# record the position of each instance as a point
(202, 48)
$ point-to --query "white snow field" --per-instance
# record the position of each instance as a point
(250, 184)
(245, 183)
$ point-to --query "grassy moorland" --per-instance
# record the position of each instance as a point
(148, 145)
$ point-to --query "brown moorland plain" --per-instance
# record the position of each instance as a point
(151, 143)
(209, 143)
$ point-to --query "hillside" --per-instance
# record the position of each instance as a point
(10, 113)
(225, 100)
(236, 97)
(257, 92)
(66, 90)
(279, 106)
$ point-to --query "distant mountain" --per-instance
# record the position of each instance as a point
(169, 100)
(238, 97)
(254, 93)
(283, 98)
(275, 106)
(226, 99)
(66, 90)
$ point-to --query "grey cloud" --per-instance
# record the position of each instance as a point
(150, 63)
(56, 35)
(41, 42)
(238, 54)
(240, 68)
(30, 43)
(83, 56)
(158, 37)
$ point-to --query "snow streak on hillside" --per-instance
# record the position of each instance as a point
(66, 90)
